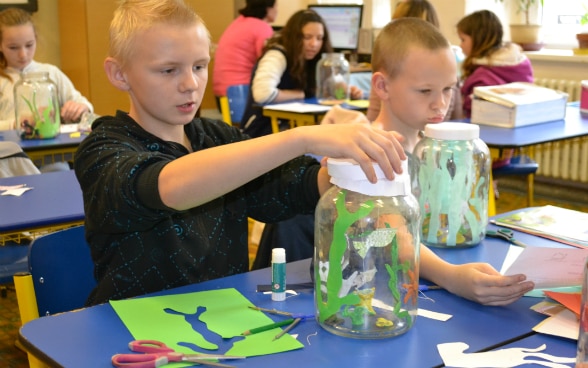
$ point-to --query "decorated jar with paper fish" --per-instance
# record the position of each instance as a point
(452, 176)
(366, 254)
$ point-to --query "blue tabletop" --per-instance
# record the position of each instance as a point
(92, 335)
(574, 125)
(55, 199)
(62, 140)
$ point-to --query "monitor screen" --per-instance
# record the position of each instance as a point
(343, 23)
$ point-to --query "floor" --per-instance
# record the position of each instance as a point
(512, 196)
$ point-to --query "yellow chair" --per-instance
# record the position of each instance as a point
(60, 277)
(234, 103)
(519, 165)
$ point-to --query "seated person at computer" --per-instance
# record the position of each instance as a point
(286, 71)
(18, 43)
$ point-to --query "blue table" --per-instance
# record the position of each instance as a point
(92, 335)
(55, 202)
(574, 125)
(45, 151)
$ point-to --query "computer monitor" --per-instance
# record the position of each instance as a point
(343, 23)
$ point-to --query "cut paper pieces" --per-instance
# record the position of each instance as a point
(572, 301)
(453, 356)
(207, 321)
(17, 192)
(563, 324)
(549, 267)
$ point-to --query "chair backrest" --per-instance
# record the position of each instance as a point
(62, 270)
(14, 162)
(237, 96)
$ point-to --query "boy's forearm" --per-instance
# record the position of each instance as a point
(199, 177)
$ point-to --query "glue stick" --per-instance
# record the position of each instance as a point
(278, 274)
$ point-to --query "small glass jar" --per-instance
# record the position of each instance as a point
(582, 353)
(366, 255)
(36, 106)
(453, 174)
(332, 79)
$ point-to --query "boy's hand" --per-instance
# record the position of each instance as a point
(481, 283)
(359, 142)
(337, 115)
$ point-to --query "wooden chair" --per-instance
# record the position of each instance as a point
(60, 277)
(234, 103)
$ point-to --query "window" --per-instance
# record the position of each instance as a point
(561, 22)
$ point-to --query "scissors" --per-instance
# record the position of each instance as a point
(158, 354)
(507, 235)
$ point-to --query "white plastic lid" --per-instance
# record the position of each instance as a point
(453, 131)
(347, 174)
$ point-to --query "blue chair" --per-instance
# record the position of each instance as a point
(520, 165)
(60, 277)
(234, 103)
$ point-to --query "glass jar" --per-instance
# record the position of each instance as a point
(36, 106)
(366, 254)
(332, 79)
(582, 354)
(453, 174)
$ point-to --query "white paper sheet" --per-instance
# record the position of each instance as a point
(548, 267)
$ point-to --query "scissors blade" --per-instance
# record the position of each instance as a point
(207, 362)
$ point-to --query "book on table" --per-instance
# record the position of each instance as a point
(517, 104)
(552, 222)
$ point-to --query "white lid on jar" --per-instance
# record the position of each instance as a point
(347, 174)
(453, 131)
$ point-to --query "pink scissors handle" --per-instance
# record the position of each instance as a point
(149, 346)
(140, 360)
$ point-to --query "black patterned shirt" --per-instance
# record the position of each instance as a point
(138, 244)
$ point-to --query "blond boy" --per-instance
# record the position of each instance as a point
(167, 196)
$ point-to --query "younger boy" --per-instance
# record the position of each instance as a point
(167, 196)
(414, 77)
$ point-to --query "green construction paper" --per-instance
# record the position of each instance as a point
(227, 314)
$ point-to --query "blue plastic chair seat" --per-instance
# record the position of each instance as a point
(519, 165)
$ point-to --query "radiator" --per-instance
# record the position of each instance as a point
(567, 159)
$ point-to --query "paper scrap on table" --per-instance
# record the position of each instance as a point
(420, 312)
(8, 187)
(572, 301)
(547, 267)
(564, 324)
(299, 107)
(17, 192)
(453, 355)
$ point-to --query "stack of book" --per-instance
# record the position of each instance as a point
(517, 104)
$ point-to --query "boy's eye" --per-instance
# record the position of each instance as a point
(167, 71)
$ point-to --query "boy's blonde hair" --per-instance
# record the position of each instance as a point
(135, 16)
(397, 37)
(12, 17)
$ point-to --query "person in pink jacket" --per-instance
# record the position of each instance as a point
(489, 61)
(241, 44)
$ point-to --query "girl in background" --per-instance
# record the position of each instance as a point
(287, 69)
(18, 43)
(489, 61)
(241, 45)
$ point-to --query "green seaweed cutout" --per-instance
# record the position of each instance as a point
(345, 219)
(45, 126)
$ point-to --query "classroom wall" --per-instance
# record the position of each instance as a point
(73, 34)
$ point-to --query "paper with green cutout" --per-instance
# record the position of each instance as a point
(207, 322)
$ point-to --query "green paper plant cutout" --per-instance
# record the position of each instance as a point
(45, 126)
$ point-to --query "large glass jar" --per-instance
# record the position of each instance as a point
(332, 79)
(366, 254)
(36, 106)
(453, 174)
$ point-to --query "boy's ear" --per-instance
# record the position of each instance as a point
(380, 85)
(115, 74)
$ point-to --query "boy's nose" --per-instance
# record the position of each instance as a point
(189, 83)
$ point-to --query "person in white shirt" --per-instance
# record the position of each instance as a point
(18, 43)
